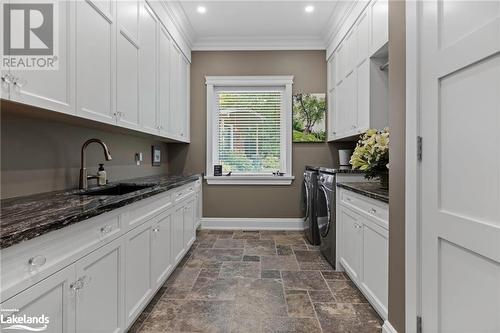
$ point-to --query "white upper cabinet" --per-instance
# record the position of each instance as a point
(358, 88)
(50, 89)
(164, 42)
(379, 11)
(127, 58)
(148, 68)
(117, 64)
(95, 60)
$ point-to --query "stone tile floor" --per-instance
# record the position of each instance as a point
(256, 282)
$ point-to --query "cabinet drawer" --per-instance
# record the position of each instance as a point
(371, 207)
(185, 192)
(26, 263)
(146, 209)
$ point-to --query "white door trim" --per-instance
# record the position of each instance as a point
(388, 328)
(239, 223)
(412, 172)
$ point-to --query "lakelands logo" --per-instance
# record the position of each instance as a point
(23, 322)
(30, 40)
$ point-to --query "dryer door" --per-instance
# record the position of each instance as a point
(323, 211)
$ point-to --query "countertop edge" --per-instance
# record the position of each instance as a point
(39, 230)
(366, 193)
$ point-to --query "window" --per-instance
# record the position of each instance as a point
(249, 129)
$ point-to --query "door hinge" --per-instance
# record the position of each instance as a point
(419, 324)
(419, 148)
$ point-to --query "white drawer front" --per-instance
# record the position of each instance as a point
(26, 263)
(143, 210)
(374, 208)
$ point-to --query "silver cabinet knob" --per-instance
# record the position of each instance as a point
(106, 229)
(156, 230)
(37, 261)
(373, 211)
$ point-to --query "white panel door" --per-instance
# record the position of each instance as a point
(331, 114)
(349, 114)
(127, 62)
(161, 253)
(95, 60)
(460, 170)
(376, 264)
(50, 89)
(99, 300)
(164, 61)
(52, 297)
(363, 37)
(351, 231)
(138, 282)
(178, 234)
(148, 66)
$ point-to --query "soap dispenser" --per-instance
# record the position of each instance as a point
(101, 175)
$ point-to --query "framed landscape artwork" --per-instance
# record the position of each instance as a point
(309, 113)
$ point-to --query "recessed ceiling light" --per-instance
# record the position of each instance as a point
(309, 9)
(201, 10)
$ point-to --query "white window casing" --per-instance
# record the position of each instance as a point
(240, 87)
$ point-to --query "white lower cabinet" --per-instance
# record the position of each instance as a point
(178, 234)
(364, 244)
(52, 298)
(161, 253)
(98, 288)
(103, 289)
(138, 283)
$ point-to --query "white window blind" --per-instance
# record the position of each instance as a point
(249, 130)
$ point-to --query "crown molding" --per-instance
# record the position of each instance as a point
(259, 43)
(180, 20)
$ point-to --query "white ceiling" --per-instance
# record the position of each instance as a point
(258, 24)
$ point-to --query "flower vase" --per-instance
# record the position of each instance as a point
(384, 180)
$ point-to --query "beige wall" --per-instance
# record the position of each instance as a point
(309, 70)
(41, 151)
(397, 110)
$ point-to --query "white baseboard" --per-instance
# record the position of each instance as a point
(230, 223)
(387, 328)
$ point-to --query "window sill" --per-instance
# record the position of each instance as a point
(249, 180)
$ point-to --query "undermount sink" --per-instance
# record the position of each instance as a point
(118, 189)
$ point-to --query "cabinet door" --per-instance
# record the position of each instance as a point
(183, 115)
(95, 60)
(52, 298)
(175, 56)
(375, 264)
(189, 223)
(138, 286)
(340, 64)
(352, 233)
(50, 89)
(161, 253)
(351, 51)
(363, 96)
(178, 234)
(127, 63)
(164, 110)
(99, 301)
(363, 37)
(349, 114)
(380, 25)
(147, 79)
(331, 114)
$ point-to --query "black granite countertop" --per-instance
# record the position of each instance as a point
(332, 170)
(370, 189)
(27, 217)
